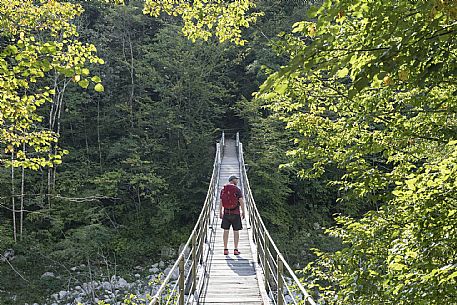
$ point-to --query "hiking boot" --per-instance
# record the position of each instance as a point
(236, 252)
(225, 251)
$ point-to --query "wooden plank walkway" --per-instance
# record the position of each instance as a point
(231, 279)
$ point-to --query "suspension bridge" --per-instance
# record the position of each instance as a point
(259, 275)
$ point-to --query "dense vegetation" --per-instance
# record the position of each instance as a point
(108, 119)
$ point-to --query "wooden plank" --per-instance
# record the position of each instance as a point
(244, 292)
(218, 287)
(231, 298)
(229, 279)
(232, 267)
(232, 303)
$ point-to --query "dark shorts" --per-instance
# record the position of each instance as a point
(233, 220)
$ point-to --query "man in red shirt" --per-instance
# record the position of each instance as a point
(232, 217)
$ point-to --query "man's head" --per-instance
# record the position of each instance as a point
(233, 180)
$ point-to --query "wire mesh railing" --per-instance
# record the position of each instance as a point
(280, 281)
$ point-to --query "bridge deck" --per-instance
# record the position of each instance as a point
(231, 279)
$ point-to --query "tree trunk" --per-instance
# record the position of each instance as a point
(98, 133)
(21, 223)
(13, 197)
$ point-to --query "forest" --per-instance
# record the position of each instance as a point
(347, 109)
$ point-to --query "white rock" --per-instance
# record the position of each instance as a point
(8, 255)
(106, 285)
(137, 275)
(175, 274)
(78, 287)
(122, 283)
(161, 264)
(73, 268)
(154, 270)
(48, 274)
(63, 294)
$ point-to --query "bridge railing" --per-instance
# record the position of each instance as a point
(190, 264)
(281, 283)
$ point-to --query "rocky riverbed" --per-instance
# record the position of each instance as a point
(115, 290)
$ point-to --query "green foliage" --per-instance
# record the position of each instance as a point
(140, 150)
(39, 48)
(201, 16)
(405, 252)
(370, 89)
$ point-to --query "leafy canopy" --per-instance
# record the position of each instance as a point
(371, 88)
(201, 16)
(39, 54)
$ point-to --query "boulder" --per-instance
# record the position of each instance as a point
(186, 250)
(175, 274)
(8, 255)
(122, 283)
(106, 285)
(48, 274)
(63, 294)
(154, 270)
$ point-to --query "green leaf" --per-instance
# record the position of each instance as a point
(96, 79)
(342, 73)
(312, 11)
(298, 27)
(397, 266)
(281, 87)
(99, 88)
(83, 83)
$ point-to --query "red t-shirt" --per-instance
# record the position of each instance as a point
(239, 195)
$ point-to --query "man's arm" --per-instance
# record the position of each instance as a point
(221, 210)
(243, 211)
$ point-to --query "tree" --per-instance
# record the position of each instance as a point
(39, 44)
(370, 88)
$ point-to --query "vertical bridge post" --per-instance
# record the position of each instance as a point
(181, 281)
(194, 262)
(266, 260)
(280, 282)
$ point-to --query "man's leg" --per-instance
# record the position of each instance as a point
(236, 238)
(226, 235)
